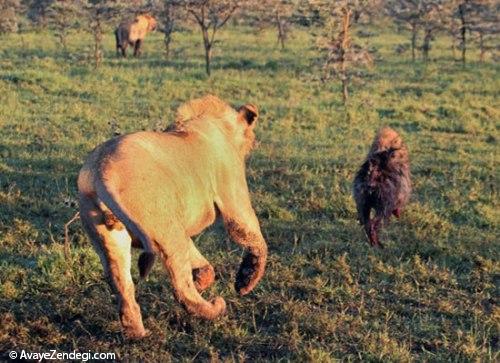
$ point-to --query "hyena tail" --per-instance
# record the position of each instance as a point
(109, 198)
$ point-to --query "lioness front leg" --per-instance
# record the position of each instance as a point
(253, 265)
(243, 227)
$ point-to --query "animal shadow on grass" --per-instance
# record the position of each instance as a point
(180, 63)
(35, 189)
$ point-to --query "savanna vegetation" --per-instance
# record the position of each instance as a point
(430, 295)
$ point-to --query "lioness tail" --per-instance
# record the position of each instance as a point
(110, 199)
(145, 263)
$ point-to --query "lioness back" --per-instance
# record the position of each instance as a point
(143, 172)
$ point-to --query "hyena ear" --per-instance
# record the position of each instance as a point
(248, 113)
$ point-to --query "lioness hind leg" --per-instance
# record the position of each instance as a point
(113, 245)
(177, 260)
(203, 272)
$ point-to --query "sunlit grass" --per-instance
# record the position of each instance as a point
(431, 295)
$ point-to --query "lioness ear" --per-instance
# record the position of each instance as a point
(249, 113)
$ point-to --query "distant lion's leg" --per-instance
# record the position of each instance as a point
(124, 49)
(137, 47)
(113, 247)
(177, 260)
(203, 272)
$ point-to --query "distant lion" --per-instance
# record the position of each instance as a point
(133, 33)
(158, 189)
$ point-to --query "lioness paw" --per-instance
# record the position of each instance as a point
(203, 277)
(219, 305)
(247, 274)
(136, 334)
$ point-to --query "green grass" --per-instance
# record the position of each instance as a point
(431, 295)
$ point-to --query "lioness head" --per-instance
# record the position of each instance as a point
(247, 117)
(237, 125)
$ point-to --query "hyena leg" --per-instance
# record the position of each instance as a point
(203, 272)
(372, 228)
(178, 263)
(364, 211)
(113, 245)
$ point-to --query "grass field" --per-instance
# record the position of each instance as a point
(431, 295)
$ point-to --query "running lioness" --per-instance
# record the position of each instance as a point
(158, 189)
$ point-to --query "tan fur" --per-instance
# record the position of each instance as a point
(385, 139)
(142, 25)
(164, 188)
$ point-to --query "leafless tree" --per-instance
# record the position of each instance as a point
(406, 14)
(168, 13)
(63, 15)
(365, 9)
(428, 16)
(485, 24)
(98, 12)
(277, 13)
(37, 11)
(341, 54)
(210, 15)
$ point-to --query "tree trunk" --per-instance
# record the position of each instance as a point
(208, 49)
(281, 31)
(453, 48)
(62, 40)
(427, 45)
(167, 41)
(345, 90)
(482, 50)
(168, 28)
(97, 42)
(207, 59)
(357, 15)
(344, 46)
(413, 41)
(463, 29)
